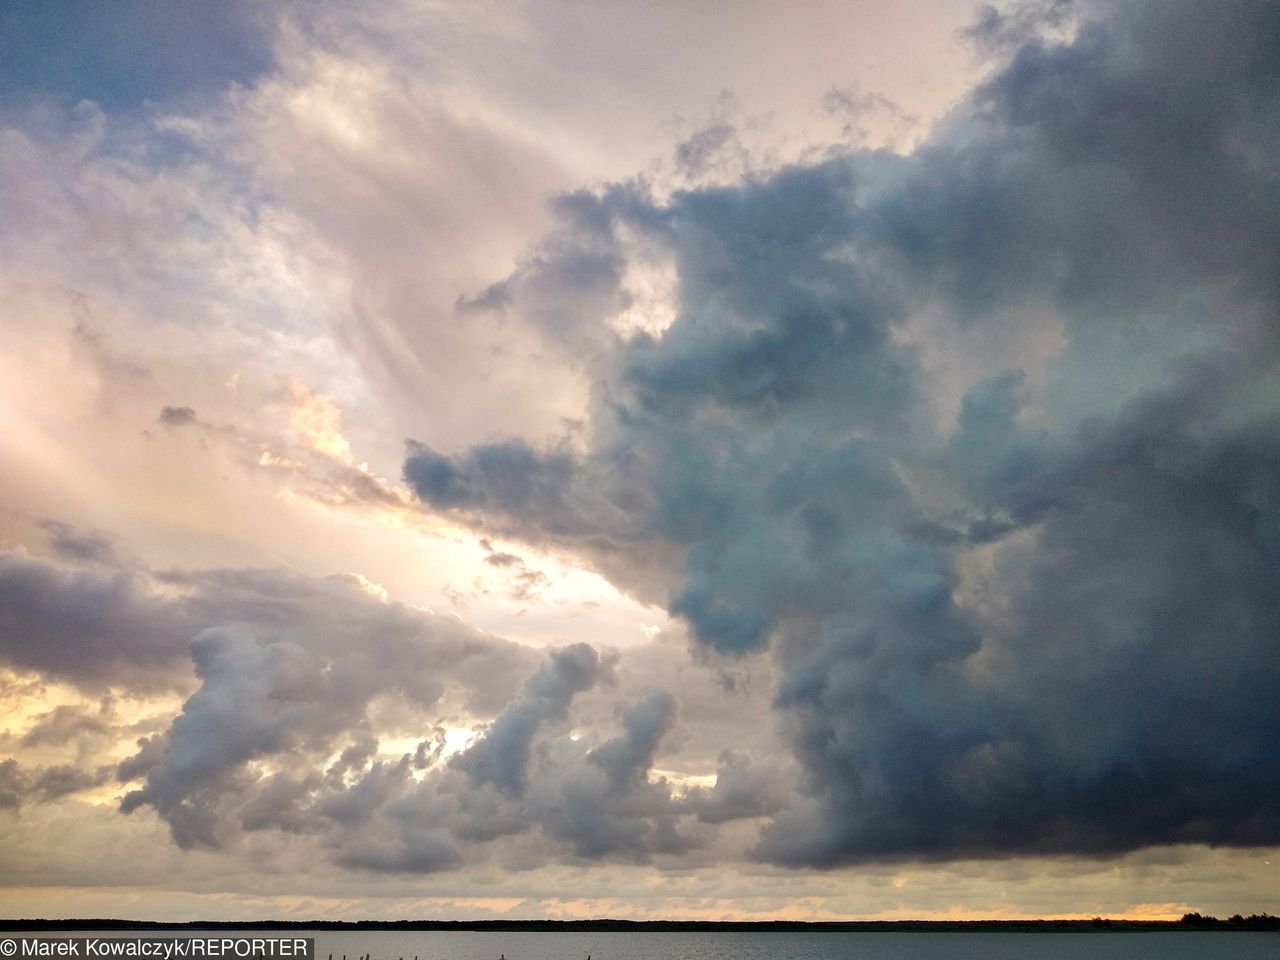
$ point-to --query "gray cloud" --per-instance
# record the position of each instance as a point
(1043, 623)
(971, 453)
(117, 623)
(509, 472)
(77, 545)
(293, 673)
(501, 757)
(526, 788)
(10, 784)
(21, 785)
(573, 802)
(606, 805)
(63, 724)
(92, 626)
(297, 679)
(743, 789)
(177, 416)
(626, 760)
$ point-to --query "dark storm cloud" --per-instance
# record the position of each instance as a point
(1048, 625)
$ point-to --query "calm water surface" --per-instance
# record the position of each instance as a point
(958, 945)
(727, 945)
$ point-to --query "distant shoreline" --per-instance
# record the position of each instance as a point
(1263, 922)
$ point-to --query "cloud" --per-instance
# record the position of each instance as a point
(77, 545)
(963, 458)
(510, 473)
(63, 724)
(978, 443)
(297, 683)
(10, 784)
(93, 626)
(256, 749)
(607, 806)
(19, 786)
(743, 789)
(501, 757)
(177, 416)
(298, 668)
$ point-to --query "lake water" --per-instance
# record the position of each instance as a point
(711, 945)
(750, 945)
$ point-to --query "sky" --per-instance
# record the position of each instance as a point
(703, 461)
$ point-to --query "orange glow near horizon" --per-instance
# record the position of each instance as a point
(143, 904)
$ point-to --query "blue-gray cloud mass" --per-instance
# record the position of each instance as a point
(1046, 620)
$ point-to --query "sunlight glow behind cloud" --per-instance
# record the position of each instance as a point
(795, 461)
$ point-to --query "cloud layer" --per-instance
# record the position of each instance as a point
(378, 736)
(981, 443)
(792, 522)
